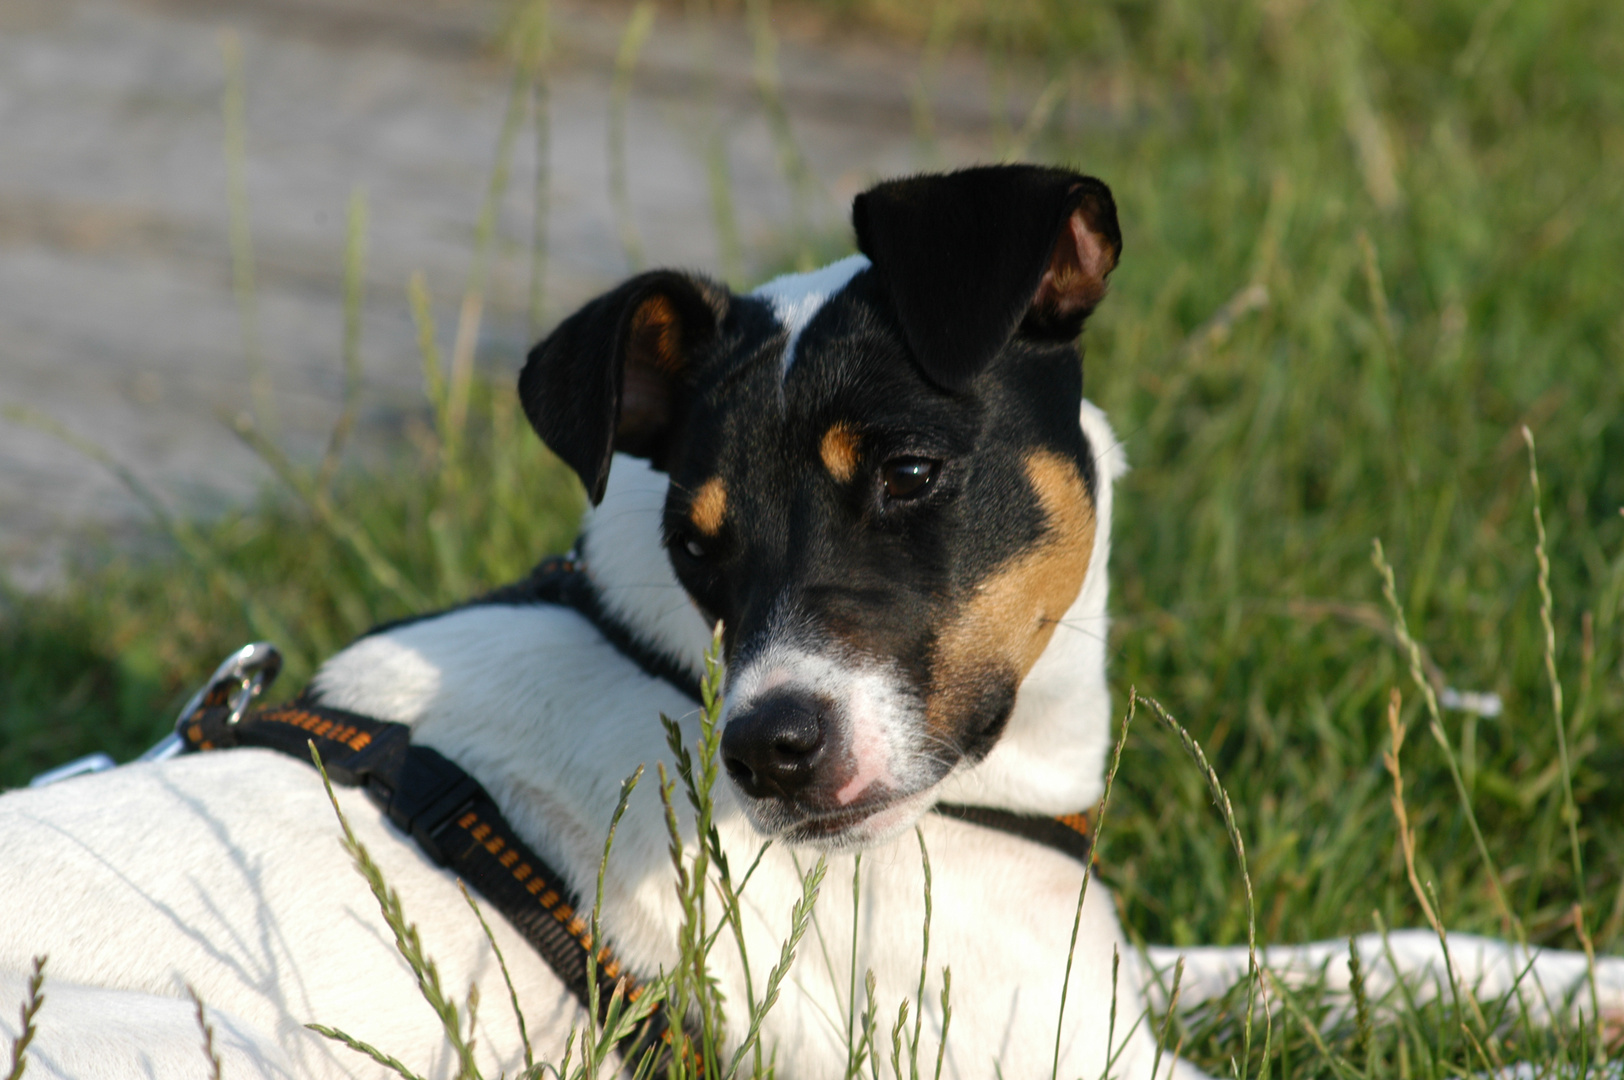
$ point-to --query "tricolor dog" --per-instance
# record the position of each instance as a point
(883, 482)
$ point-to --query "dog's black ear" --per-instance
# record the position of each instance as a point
(970, 257)
(615, 375)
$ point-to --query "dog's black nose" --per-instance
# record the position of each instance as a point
(773, 747)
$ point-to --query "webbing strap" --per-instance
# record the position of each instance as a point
(1069, 834)
(456, 823)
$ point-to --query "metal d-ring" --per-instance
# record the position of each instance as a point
(252, 668)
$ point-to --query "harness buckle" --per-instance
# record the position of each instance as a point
(240, 678)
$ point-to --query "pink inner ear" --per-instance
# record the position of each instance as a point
(1075, 279)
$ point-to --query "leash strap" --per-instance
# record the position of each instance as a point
(456, 823)
(1069, 834)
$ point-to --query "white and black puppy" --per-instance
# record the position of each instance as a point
(883, 480)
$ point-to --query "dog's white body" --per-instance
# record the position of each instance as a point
(224, 872)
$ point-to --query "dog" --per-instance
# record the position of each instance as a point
(881, 480)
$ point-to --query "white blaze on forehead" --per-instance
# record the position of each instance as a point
(797, 297)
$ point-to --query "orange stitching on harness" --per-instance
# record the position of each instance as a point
(1077, 823)
(549, 899)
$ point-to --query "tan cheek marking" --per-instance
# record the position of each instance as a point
(839, 451)
(710, 507)
(1009, 620)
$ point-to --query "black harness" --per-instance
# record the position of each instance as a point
(459, 826)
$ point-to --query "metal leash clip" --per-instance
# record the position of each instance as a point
(236, 682)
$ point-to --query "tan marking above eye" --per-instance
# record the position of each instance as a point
(839, 451)
(710, 506)
(1008, 621)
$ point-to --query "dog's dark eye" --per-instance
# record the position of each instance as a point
(908, 478)
(693, 547)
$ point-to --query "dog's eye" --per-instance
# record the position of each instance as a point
(693, 547)
(908, 478)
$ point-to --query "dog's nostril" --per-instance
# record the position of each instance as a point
(772, 748)
(740, 771)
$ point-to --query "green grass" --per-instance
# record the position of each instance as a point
(1365, 243)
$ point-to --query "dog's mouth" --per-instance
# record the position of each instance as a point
(874, 820)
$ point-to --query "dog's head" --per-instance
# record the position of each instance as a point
(878, 482)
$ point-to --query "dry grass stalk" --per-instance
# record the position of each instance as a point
(1406, 833)
(30, 1009)
(207, 1029)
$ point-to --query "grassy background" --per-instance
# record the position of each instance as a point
(1365, 242)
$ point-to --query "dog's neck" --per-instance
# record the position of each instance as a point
(1051, 756)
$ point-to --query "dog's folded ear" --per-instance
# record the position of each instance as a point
(974, 256)
(616, 374)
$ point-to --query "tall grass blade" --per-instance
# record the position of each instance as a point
(1082, 891)
(407, 941)
(428, 345)
(927, 148)
(507, 977)
(803, 185)
(1167, 1021)
(361, 1047)
(924, 960)
(542, 202)
(1256, 990)
(472, 312)
(534, 55)
(233, 107)
(340, 527)
(947, 1020)
(638, 26)
(1333, 1061)
(1412, 652)
(713, 139)
(596, 951)
(1361, 1005)
(800, 919)
(355, 245)
(1570, 811)
(854, 1063)
(1037, 118)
